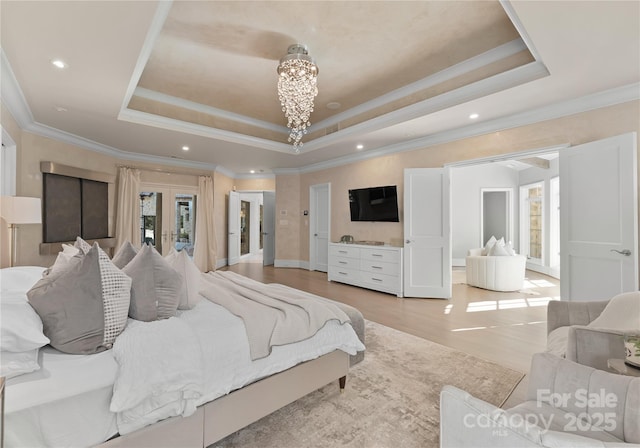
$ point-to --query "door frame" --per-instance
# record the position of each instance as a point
(313, 207)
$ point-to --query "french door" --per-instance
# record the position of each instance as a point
(168, 217)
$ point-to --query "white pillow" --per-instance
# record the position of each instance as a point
(621, 313)
(489, 245)
(19, 278)
(14, 364)
(498, 250)
(191, 276)
(63, 258)
(509, 248)
(557, 341)
(21, 327)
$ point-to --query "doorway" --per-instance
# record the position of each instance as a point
(251, 236)
(168, 218)
(319, 226)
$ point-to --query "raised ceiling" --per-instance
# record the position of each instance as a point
(146, 78)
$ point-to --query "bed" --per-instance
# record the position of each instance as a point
(112, 399)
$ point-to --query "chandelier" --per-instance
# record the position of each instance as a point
(297, 87)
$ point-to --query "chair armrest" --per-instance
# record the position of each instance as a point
(594, 346)
(563, 314)
(467, 421)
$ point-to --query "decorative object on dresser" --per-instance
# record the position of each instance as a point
(372, 266)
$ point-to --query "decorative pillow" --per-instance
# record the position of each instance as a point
(498, 250)
(557, 341)
(509, 248)
(84, 307)
(82, 245)
(125, 254)
(14, 364)
(155, 287)
(621, 313)
(489, 245)
(191, 277)
(21, 328)
(63, 259)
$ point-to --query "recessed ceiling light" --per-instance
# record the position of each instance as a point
(185, 148)
(359, 146)
(59, 63)
(252, 171)
(474, 116)
(334, 105)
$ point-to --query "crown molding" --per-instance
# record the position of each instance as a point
(598, 100)
(208, 110)
(12, 95)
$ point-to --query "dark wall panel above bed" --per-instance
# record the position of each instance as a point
(95, 209)
(62, 208)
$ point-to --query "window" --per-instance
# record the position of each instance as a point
(531, 221)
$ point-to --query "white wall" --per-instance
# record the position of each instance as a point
(466, 183)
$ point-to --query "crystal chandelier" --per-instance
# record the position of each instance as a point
(297, 87)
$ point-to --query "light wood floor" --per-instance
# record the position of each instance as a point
(506, 328)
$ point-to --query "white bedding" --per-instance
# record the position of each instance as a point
(66, 402)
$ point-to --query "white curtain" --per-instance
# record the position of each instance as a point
(127, 215)
(204, 254)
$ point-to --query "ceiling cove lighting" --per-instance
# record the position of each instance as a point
(297, 88)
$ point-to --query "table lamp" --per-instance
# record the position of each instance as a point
(19, 210)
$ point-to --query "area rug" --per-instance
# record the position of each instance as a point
(391, 398)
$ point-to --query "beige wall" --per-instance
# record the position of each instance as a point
(32, 149)
(293, 239)
(292, 191)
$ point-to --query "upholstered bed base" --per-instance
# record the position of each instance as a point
(217, 419)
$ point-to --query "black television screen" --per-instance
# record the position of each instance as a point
(374, 204)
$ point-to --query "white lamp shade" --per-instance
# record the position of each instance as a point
(20, 210)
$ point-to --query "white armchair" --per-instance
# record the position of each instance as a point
(497, 273)
(567, 404)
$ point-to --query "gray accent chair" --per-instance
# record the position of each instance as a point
(567, 405)
(585, 345)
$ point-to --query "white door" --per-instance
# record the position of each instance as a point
(168, 217)
(320, 217)
(427, 233)
(233, 222)
(599, 219)
(268, 227)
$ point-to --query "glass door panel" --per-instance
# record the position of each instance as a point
(185, 224)
(245, 227)
(167, 218)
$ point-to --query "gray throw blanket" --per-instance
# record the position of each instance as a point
(273, 315)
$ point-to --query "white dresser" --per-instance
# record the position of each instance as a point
(373, 267)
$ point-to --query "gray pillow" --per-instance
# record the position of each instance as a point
(125, 254)
(83, 307)
(155, 287)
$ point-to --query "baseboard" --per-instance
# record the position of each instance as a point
(546, 270)
(300, 264)
(221, 262)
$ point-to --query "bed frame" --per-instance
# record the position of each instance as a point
(217, 419)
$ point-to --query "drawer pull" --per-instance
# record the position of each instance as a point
(342, 262)
(342, 273)
(376, 267)
(376, 255)
(376, 279)
(343, 251)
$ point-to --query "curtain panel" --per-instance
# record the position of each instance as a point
(204, 254)
(127, 218)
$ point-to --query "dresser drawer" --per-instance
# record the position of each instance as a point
(344, 250)
(389, 256)
(391, 282)
(344, 274)
(344, 262)
(380, 267)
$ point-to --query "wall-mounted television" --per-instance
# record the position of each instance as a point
(374, 204)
